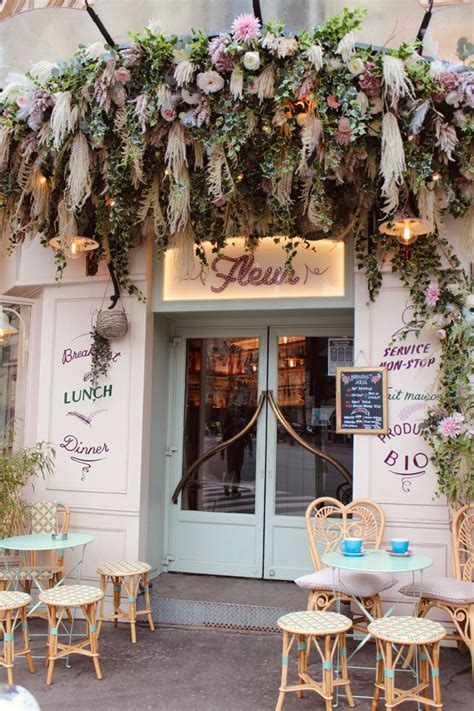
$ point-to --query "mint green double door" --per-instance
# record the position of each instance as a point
(241, 511)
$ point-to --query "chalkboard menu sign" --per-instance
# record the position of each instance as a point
(361, 400)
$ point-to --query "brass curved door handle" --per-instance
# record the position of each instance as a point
(218, 448)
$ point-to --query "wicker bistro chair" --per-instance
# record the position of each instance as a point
(13, 609)
(453, 595)
(58, 601)
(39, 517)
(392, 635)
(328, 521)
(129, 576)
(326, 632)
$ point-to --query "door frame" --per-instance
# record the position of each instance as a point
(329, 323)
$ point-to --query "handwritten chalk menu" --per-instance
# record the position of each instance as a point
(361, 400)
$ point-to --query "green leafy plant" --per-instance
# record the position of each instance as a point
(101, 355)
(19, 467)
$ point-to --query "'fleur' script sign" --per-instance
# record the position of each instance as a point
(236, 274)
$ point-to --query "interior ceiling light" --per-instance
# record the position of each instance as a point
(405, 227)
(6, 329)
(74, 246)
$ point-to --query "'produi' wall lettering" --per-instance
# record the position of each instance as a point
(89, 425)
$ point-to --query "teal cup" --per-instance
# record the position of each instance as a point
(352, 545)
(399, 545)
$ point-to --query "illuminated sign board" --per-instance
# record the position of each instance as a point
(235, 273)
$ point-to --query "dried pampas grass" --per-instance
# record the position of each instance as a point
(393, 161)
(182, 243)
(346, 46)
(310, 138)
(175, 155)
(314, 55)
(184, 72)
(79, 180)
(237, 82)
(265, 83)
(5, 135)
(397, 83)
(40, 193)
(179, 200)
(218, 171)
(67, 224)
(63, 119)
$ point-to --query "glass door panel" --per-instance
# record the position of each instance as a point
(221, 397)
(307, 399)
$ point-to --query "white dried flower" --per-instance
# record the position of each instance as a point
(41, 71)
(251, 61)
(346, 46)
(209, 82)
(96, 50)
(355, 66)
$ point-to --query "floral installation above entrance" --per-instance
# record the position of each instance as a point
(251, 133)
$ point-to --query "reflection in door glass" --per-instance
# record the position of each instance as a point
(307, 398)
(221, 397)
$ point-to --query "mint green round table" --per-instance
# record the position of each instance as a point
(44, 542)
(378, 561)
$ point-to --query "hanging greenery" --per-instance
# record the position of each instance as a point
(254, 132)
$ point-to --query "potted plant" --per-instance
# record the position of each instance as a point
(17, 468)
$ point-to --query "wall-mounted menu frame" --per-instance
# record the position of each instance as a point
(361, 400)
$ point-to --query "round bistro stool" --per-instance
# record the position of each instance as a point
(117, 573)
(402, 632)
(12, 608)
(58, 600)
(306, 627)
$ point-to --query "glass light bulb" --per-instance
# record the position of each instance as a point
(406, 233)
(74, 248)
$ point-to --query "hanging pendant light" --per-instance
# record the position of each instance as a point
(73, 247)
(6, 329)
(405, 227)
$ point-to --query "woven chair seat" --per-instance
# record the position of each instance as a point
(71, 595)
(38, 572)
(121, 569)
(407, 630)
(314, 623)
(12, 600)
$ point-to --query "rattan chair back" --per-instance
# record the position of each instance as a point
(463, 543)
(328, 521)
(45, 517)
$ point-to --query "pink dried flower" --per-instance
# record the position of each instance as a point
(441, 333)
(132, 55)
(217, 47)
(432, 294)
(451, 426)
(333, 103)
(102, 93)
(246, 27)
(40, 102)
(369, 82)
(168, 111)
(449, 81)
(466, 88)
(343, 134)
(122, 75)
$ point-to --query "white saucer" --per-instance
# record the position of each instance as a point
(400, 555)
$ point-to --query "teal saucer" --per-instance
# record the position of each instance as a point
(353, 555)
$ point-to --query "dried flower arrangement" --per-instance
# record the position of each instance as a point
(256, 132)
